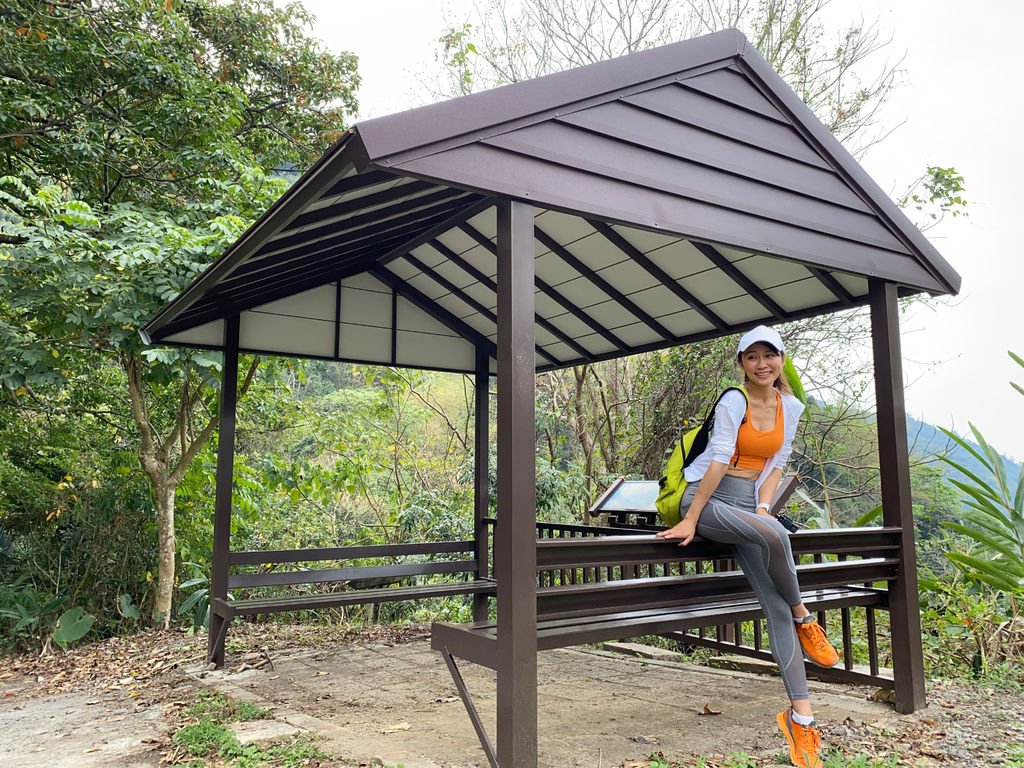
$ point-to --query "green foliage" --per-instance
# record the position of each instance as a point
(993, 517)
(73, 289)
(72, 625)
(29, 618)
(128, 608)
(456, 56)
(939, 191)
(957, 621)
(140, 139)
(206, 738)
(196, 606)
(127, 100)
(26, 615)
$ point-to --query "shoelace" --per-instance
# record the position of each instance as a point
(818, 639)
(815, 738)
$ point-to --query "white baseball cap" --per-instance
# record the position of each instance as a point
(763, 334)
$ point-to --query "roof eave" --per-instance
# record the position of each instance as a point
(931, 259)
(347, 151)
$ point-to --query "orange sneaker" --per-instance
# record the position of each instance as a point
(804, 741)
(815, 643)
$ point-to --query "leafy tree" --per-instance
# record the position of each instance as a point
(139, 139)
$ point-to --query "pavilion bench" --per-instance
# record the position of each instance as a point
(360, 584)
(589, 593)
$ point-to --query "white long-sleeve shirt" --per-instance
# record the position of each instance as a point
(729, 413)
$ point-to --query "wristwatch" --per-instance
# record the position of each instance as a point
(765, 504)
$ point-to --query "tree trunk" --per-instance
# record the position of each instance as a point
(165, 459)
(163, 493)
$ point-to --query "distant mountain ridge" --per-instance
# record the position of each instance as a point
(926, 440)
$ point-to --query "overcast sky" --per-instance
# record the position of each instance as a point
(957, 107)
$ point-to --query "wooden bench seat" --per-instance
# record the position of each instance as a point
(590, 593)
(594, 612)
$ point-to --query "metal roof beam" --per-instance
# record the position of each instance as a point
(329, 261)
(460, 294)
(359, 181)
(565, 255)
(829, 281)
(689, 338)
(484, 280)
(339, 232)
(440, 314)
(273, 287)
(744, 282)
(657, 272)
(555, 296)
(396, 191)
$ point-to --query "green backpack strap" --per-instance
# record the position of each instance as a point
(692, 444)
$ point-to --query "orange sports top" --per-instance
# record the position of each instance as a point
(753, 448)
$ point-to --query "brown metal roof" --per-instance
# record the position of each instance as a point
(680, 193)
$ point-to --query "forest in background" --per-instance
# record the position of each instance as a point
(142, 138)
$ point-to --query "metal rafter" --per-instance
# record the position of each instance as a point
(270, 288)
(298, 250)
(484, 280)
(440, 314)
(657, 272)
(554, 295)
(565, 255)
(744, 282)
(829, 281)
(449, 286)
(336, 210)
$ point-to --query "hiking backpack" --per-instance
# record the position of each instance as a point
(691, 445)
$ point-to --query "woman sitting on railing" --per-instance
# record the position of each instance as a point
(729, 492)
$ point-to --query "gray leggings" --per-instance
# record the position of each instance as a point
(761, 547)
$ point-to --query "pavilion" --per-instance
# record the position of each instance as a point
(677, 194)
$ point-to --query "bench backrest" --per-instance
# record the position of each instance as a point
(357, 575)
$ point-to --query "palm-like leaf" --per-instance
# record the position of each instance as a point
(991, 572)
(993, 517)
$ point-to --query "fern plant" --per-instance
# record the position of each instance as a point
(993, 516)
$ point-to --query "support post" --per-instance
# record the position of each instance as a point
(515, 549)
(223, 490)
(481, 476)
(897, 510)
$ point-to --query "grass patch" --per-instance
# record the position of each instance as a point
(209, 741)
(219, 708)
(206, 739)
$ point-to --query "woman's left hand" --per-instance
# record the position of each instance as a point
(684, 530)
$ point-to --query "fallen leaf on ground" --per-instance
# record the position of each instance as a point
(709, 711)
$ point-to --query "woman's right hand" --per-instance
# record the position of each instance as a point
(684, 531)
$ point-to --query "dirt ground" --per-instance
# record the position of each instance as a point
(384, 696)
